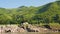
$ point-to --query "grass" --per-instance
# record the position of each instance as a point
(54, 25)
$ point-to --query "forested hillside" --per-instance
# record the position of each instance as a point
(49, 13)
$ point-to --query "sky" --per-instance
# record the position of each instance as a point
(18, 3)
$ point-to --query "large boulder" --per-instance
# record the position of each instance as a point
(21, 30)
(31, 28)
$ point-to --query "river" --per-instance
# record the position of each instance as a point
(30, 33)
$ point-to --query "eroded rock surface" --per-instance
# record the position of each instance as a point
(25, 27)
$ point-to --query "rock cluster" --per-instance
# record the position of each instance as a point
(25, 27)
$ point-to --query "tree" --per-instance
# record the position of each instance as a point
(56, 18)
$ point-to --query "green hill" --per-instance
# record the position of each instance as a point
(48, 13)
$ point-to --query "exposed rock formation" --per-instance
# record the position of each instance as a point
(25, 27)
(21, 30)
(31, 28)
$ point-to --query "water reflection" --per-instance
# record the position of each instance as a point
(30, 33)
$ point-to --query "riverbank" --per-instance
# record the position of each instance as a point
(25, 27)
(32, 33)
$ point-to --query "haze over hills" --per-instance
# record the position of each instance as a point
(48, 13)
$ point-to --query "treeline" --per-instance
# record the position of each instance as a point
(48, 13)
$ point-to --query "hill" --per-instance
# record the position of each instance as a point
(48, 13)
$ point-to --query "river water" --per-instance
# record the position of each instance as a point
(30, 33)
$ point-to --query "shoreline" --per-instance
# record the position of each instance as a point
(14, 28)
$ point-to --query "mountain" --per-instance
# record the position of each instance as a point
(50, 9)
(48, 13)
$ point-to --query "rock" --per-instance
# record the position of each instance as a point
(21, 30)
(7, 31)
(25, 23)
(47, 26)
(14, 28)
(31, 28)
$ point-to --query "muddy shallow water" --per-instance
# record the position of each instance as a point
(31, 33)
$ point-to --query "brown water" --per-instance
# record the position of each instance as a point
(30, 33)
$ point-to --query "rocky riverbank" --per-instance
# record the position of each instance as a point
(25, 27)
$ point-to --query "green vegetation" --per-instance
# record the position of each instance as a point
(46, 14)
(54, 25)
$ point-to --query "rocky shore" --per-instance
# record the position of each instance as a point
(25, 27)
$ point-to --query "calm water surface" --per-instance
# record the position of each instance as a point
(30, 33)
